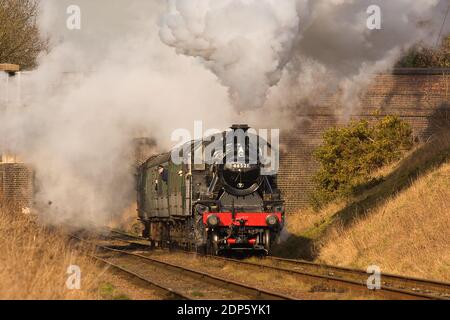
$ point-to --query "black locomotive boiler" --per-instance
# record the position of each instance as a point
(225, 203)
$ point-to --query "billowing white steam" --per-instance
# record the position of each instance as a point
(252, 44)
(100, 87)
(246, 43)
(115, 79)
(336, 49)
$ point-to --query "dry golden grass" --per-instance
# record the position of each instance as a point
(310, 223)
(34, 262)
(305, 220)
(409, 234)
(127, 221)
(401, 224)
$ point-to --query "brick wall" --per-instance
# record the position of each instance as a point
(414, 95)
(16, 185)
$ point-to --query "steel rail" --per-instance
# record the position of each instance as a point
(389, 280)
(260, 294)
(392, 285)
(170, 292)
(385, 292)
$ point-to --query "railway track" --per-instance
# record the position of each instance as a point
(167, 292)
(435, 289)
(331, 283)
(191, 284)
(329, 277)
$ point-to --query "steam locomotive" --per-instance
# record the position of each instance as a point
(223, 203)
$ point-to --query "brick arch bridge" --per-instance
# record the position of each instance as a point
(416, 95)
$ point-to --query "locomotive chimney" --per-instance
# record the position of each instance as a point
(243, 127)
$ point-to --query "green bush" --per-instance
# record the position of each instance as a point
(425, 57)
(350, 154)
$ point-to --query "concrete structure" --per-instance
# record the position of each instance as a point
(16, 179)
(10, 84)
(8, 67)
(419, 96)
(9, 95)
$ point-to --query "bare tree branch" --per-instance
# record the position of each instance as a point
(20, 39)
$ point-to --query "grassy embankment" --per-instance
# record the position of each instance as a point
(402, 224)
(34, 262)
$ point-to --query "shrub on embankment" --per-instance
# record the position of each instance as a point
(402, 224)
(421, 56)
(349, 155)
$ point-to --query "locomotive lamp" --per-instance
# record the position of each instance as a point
(213, 221)
(272, 221)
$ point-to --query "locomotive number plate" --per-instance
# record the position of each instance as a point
(240, 165)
